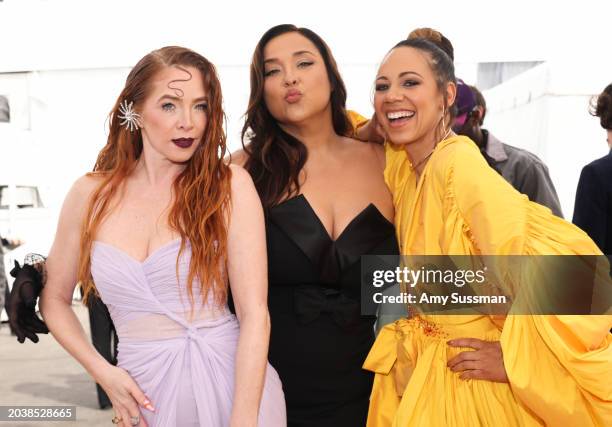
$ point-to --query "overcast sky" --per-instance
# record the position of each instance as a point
(52, 34)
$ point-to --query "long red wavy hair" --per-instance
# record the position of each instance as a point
(201, 192)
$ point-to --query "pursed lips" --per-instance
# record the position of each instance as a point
(292, 96)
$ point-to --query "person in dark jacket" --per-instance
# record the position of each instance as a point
(593, 206)
(521, 168)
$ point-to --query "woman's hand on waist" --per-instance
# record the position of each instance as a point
(124, 394)
(485, 362)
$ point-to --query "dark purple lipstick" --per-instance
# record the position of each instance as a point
(183, 142)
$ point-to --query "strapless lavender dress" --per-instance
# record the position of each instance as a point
(183, 360)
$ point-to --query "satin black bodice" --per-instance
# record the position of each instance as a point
(319, 339)
(301, 251)
(323, 274)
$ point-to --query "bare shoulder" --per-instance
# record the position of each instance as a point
(372, 150)
(244, 197)
(88, 183)
(241, 182)
(239, 174)
(74, 209)
(379, 151)
(238, 157)
(83, 188)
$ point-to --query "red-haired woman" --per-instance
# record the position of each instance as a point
(158, 229)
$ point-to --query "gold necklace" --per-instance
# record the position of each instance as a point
(420, 162)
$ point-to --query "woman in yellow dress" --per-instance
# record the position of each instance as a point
(466, 370)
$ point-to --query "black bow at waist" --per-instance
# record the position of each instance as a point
(310, 301)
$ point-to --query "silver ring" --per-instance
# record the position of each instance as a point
(135, 420)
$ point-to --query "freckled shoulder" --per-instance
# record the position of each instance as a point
(241, 180)
(77, 199)
(84, 187)
(244, 197)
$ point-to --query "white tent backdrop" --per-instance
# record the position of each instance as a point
(546, 111)
(63, 63)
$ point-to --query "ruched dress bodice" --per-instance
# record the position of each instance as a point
(183, 359)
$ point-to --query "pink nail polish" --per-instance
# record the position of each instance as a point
(147, 404)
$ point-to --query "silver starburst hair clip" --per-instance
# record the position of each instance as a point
(129, 117)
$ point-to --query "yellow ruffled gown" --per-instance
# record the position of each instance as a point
(559, 367)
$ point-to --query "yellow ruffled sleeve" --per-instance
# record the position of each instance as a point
(356, 120)
(493, 212)
(553, 374)
(559, 367)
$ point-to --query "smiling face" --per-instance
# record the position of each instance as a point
(174, 114)
(408, 102)
(296, 86)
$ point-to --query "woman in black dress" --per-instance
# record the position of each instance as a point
(326, 204)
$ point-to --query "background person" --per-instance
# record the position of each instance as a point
(521, 168)
(593, 206)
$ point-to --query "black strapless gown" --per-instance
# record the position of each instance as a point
(319, 339)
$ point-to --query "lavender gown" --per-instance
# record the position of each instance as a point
(184, 364)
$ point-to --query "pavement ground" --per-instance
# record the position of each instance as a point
(45, 374)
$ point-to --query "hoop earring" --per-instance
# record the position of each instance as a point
(444, 125)
(443, 115)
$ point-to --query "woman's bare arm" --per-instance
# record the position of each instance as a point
(247, 272)
(56, 307)
(62, 264)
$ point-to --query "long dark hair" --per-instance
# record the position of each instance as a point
(276, 158)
